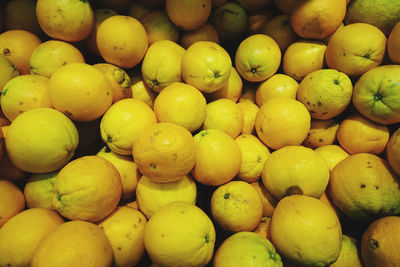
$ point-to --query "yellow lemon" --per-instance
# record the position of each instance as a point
(51, 55)
(188, 14)
(127, 169)
(322, 132)
(12, 199)
(41, 133)
(22, 234)
(280, 29)
(254, 155)
(232, 90)
(180, 234)
(23, 93)
(164, 152)
(236, 206)
(181, 104)
(74, 243)
(126, 47)
(225, 115)
(257, 58)
(282, 121)
(277, 85)
(218, 157)
(80, 91)
(119, 80)
(88, 188)
(8, 71)
(332, 154)
(357, 134)
(151, 196)
(393, 152)
(268, 201)
(249, 110)
(124, 228)
(70, 20)
(140, 90)
(295, 170)
(364, 187)
(123, 123)
(161, 65)
(207, 66)
(316, 237)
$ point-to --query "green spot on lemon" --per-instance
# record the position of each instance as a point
(373, 244)
(58, 197)
(207, 238)
(377, 97)
(226, 196)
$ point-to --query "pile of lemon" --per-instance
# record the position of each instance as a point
(192, 133)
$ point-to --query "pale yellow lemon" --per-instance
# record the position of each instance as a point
(124, 228)
(41, 133)
(277, 85)
(127, 169)
(268, 201)
(23, 93)
(246, 249)
(326, 93)
(376, 94)
(207, 66)
(249, 110)
(51, 55)
(129, 114)
(187, 236)
(39, 190)
(161, 65)
(151, 196)
(332, 154)
(257, 58)
(181, 104)
(282, 121)
(349, 253)
(140, 90)
(254, 155)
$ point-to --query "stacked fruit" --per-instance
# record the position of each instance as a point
(199, 133)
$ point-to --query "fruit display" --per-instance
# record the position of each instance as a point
(199, 133)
